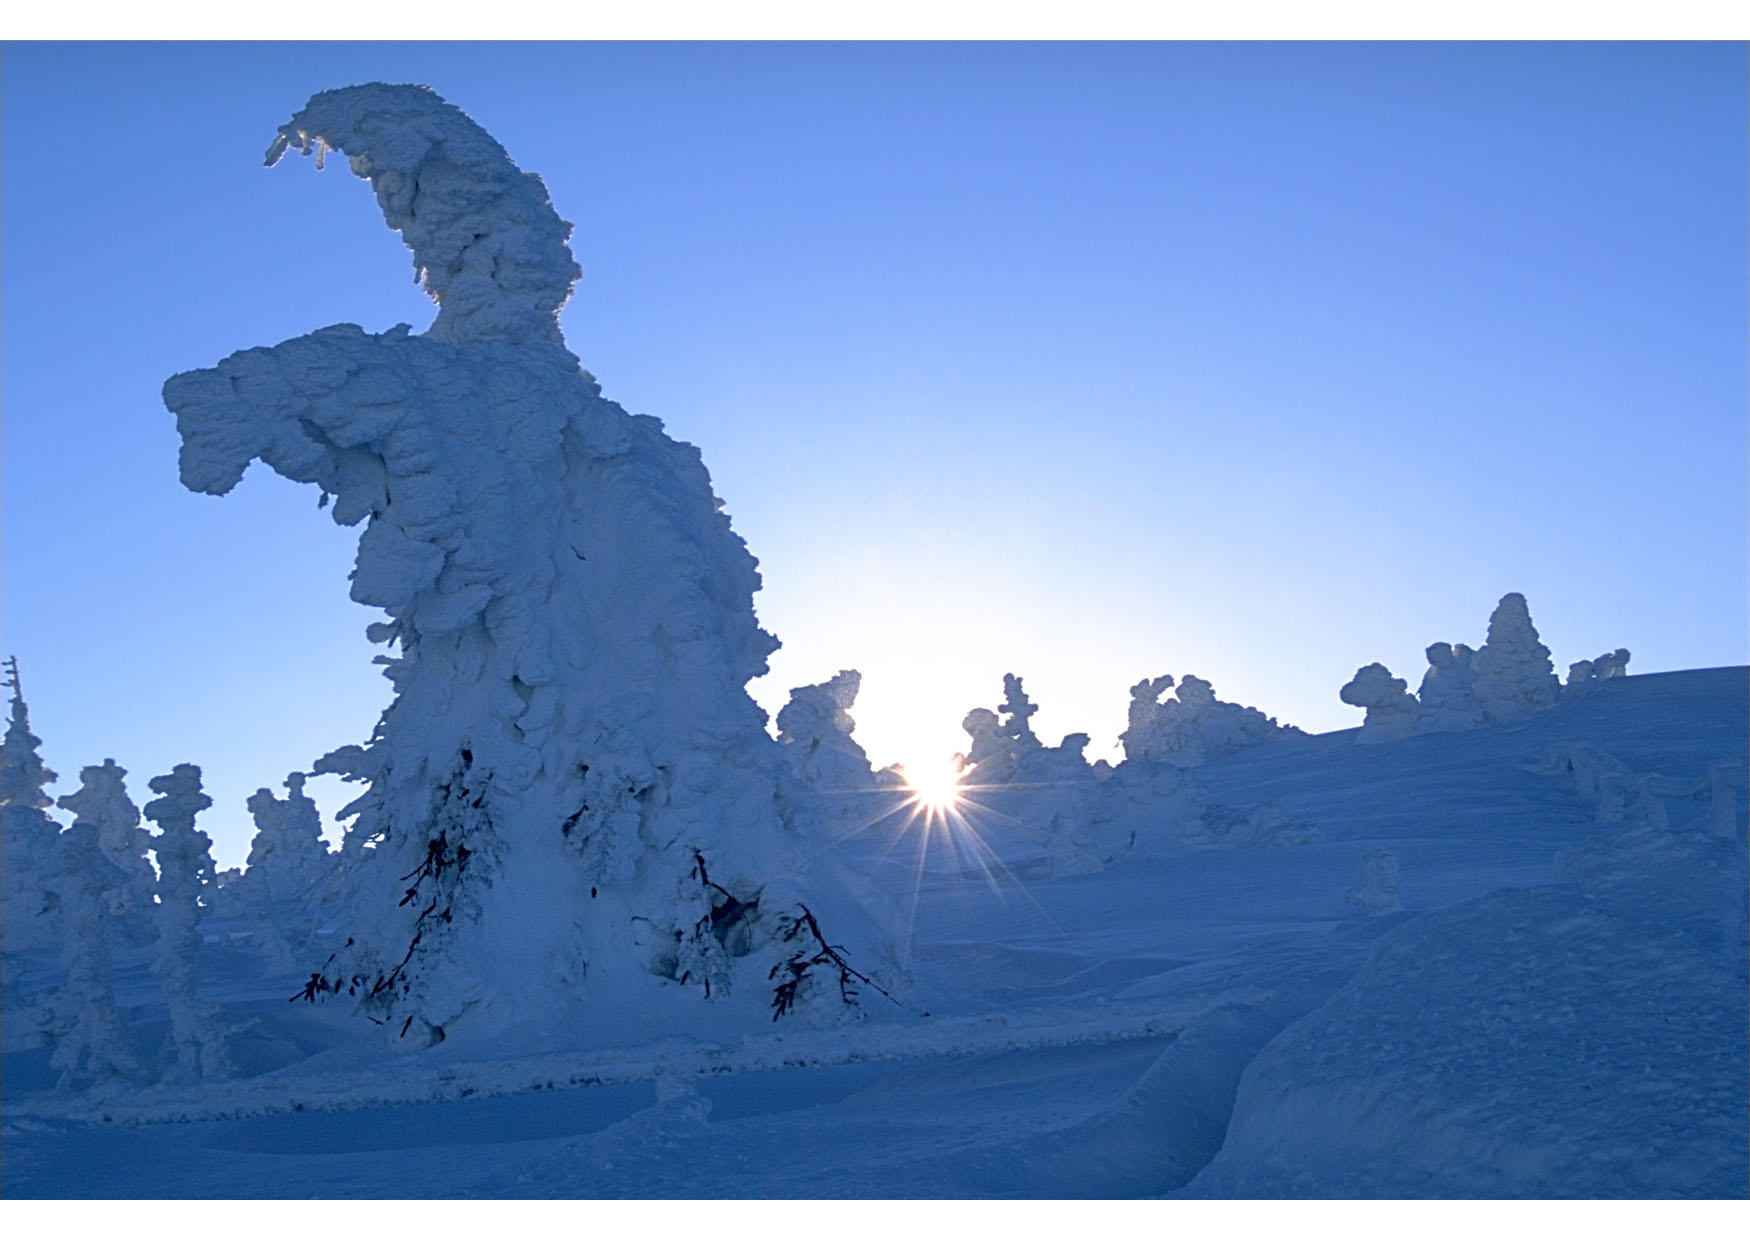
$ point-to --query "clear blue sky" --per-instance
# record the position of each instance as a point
(1087, 362)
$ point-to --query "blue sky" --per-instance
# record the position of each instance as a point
(1087, 362)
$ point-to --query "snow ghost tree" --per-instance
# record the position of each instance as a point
(90, 1038)
(1512, 675)
(1193, 726)
(1011, 780)
(1446, 699)
(1587, 674)
(102, 804)
(815, 729)
(27, 834)
(571, 781)
(185, 871)
(287, 864)
(287, 856)
(1391, 711)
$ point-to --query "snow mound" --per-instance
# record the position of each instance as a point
(1562, 1041)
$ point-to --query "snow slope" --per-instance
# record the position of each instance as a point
(1558, 1010)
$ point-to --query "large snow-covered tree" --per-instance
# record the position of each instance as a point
(28, 903)
(1512, 674)
(571, 782)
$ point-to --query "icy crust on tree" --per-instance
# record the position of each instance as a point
(571, 775)
(1508, 679)
(28, 904)
(1192, 726)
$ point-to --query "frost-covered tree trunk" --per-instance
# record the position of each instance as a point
(185, 869)
(29, 916)
(571, 733)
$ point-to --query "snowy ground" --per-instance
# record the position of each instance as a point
(1222, 1023)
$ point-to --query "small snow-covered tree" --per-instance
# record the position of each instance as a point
(1193, 726)
(1587, 674)
(287, 865)
(1512, 675)
(1011, 781)
(1391, 711)
(815, 728)
(185, 868)
(1446, 701)
(102, 803)
(90, 1040)
(288, 856)
(28, 903)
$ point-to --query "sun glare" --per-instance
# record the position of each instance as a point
(935, 787)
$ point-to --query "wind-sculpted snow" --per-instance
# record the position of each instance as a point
(571, 775)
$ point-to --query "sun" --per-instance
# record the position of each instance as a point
(934, 787)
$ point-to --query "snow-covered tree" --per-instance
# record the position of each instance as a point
(28, 903)
(1011, 781)
(1391, 711)
(90, 1039)
(288, 855)
(185, 869)
(1193, 726)
(102, 803)
(287, 866)
(571, 748)
(1446, 701)
(1512, 675)
(815, 727)
(1587, 674)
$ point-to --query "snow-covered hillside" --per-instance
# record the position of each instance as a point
(1557, 1009)
(595, 931)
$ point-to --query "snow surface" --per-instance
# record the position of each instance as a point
(1558, 1010)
